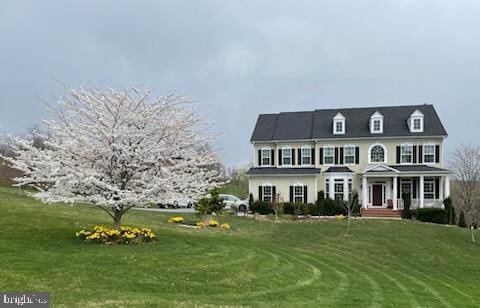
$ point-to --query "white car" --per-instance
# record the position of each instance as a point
(234, 203)
(177, 203)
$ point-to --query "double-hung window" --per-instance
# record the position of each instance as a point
(338, 189)
(265, 157)
(350, 189)
(429, 189)
(287, 156)
(328, 156)
(267, 193)
(429, 153)
(298, 193)
(306, 156)
(349, 155)
(406, 154)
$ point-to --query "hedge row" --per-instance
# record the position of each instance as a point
(326, 207)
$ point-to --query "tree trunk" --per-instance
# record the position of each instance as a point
(117, 220)
(348, 222)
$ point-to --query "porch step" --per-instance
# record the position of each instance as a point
(387, 213)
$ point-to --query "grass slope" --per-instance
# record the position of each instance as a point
(384, 263)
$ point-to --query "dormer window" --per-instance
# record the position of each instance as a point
(376, 123)
(415, 123)
(339, 124)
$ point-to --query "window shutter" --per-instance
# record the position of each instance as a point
(280, 162)
(305, 196)
(299, 151)
(291, 194)
(259, 157)
(414, 188)
(272, 157)
(293, 156)
(321, 156)
(274, 194)
(341, 155)
(336, 156)
(414, 154)
(437, 154)
(437, 188)
(398, 154)
(260, 193)
(313, 157)
(357, 155)
(420, 154)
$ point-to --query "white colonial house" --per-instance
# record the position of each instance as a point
(380, 152)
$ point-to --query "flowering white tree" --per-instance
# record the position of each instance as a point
(117, 149)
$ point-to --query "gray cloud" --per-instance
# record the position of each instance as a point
(242, 58)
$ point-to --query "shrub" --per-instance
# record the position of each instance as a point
(448, 208)
(313, 209)
(250, 201)
(288, 208)
(438, 216)
(212, 204)
(461, 221)
(262, 207)
(333, 207)
(406, 206)
(454, 216)
(126, 235)
(321, 202)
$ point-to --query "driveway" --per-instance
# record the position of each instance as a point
(180, 210)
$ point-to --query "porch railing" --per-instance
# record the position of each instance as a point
(427, 203)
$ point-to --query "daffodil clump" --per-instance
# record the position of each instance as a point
(225, 226)
(339, 217)
(175, 219)
(126, 235)
(213, 223)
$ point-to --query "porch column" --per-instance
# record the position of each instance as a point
(447, 186)
(331, 189)
(394, 197)
(364, 192)
(441, 184)
(421, 191)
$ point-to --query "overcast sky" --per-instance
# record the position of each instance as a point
(242, 58)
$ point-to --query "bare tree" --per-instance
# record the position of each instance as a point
(277, 205)
(350, 206)
(465, 164)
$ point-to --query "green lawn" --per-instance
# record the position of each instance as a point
(384, 263)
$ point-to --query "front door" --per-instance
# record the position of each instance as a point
(377, 194)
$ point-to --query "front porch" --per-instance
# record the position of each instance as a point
(383, 187)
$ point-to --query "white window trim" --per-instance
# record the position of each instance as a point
(417, 115)
(339, 118)
(339, 181)
(309, 148)
(263, 191)
(298, 184)
(344, 154)
(269, 156)
(283, 156)
(432, 181)
(401, 155)
(385, 153)
(333, 155)
(377, 116)
(434, 153)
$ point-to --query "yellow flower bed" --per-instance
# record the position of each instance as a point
(213, 223)
(176, 219)
(225, 226)
(126, 235)
(339, 217)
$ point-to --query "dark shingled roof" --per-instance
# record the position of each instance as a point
(283, 171)
(339, 169)
(420, 168)
(318, 124)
